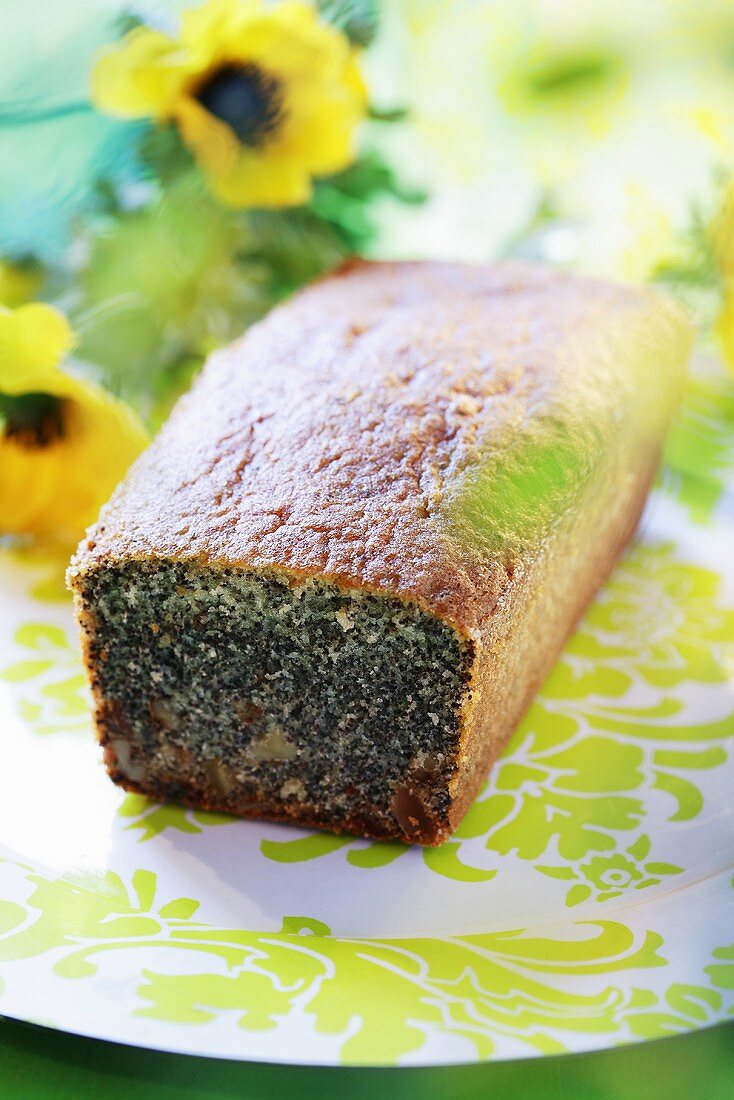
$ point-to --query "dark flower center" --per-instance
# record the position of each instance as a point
(246, 98)
(33, 419)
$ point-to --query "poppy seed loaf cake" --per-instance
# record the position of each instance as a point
(332, 585)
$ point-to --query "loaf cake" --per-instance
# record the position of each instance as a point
(330, 588)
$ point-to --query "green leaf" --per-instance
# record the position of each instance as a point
(388, 114)
(164, 285)
(572, 72)
(370, 175)
(164, 154)
(358, 19)
(127, 21)
(293, 247)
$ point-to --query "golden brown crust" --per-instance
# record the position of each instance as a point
(527, 638)
(329, 439)
(341, 436)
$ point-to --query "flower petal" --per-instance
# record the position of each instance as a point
(57, 487)
(323, 96)
(263, 181)
(209, 30)
(237, 175)
(212, 142)
(141, 77)
(57, 490)
(33, 339)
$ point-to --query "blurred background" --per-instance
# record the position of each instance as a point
(614, 116)
(594, 135)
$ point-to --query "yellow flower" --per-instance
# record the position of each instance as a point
(265, 96)
(64, 442)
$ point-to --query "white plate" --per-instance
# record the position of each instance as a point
(586, 900)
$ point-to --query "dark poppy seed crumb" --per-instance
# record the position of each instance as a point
(257, 691)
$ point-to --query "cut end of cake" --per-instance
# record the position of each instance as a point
(276, 696)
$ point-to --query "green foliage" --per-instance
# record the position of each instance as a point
(358, 19)
(388, 114)
(164, 284)
(523, 242)
(565, 79)
(127, 21)
(691, 273)
(176, 276)
(700, 448)
(575, 72)
(293, 247)
(163, 155)
(344, 201)
(696, 264)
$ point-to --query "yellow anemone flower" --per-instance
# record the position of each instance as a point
(64, 442)
(265, 96)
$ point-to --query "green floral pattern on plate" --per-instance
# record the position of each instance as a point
(581, 769)
(607, 877)
(150, 819)
(485, 988)
(50, 686)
